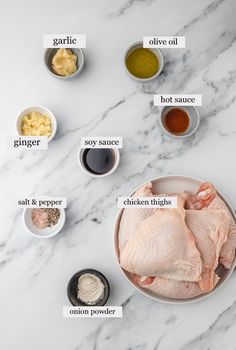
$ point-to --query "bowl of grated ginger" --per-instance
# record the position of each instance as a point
(36, 121)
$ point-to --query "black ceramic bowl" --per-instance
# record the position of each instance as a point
(73, 284)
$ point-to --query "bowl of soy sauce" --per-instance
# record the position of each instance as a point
(99, 162)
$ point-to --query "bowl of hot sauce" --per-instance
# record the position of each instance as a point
(179, 121)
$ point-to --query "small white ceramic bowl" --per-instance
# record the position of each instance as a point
(115, 166)
(156, 51)
(44, 233)
(48, 56)
(42, 110)
(194, 120)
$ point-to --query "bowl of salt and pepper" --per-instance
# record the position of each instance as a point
(44, 222)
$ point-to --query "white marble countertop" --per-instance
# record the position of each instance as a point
(105, 101)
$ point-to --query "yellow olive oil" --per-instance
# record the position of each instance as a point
(142, 63)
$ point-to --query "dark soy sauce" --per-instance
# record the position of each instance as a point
(98, 161)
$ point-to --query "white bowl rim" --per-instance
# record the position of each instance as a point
(167, 300)
(144, 79)
(54, 233)
(47, 111)
(113, 169)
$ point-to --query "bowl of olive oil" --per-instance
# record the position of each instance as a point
(143, 64)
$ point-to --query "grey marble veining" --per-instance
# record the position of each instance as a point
(105, 101)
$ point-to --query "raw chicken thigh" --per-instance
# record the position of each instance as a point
(227, 252)
(163, 246)
(175, 252)
(173, 289)
(210, 229)
(132, 218)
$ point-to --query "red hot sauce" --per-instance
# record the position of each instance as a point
(177, 121)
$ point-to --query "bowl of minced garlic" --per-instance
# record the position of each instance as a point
(36, 121)
(64, 63)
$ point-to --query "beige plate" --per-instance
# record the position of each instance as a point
(173, 184)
